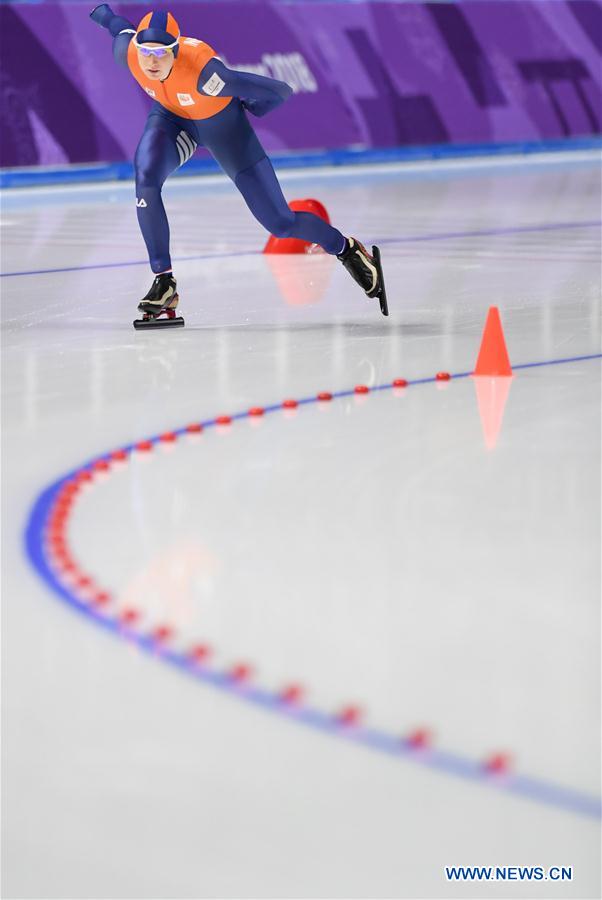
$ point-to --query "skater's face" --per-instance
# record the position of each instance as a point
(155, 67)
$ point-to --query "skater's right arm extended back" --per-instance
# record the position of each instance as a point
(122, 30)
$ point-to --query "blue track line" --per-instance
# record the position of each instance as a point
(450, 764)
(410, 239)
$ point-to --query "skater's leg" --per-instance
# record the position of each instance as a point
(234, 144)
(160, 152)
(263, 195)
(231, 139)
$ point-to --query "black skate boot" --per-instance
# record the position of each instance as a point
(366, 270)
(161, 301)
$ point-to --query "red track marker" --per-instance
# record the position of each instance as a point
(240, 672)
(349, 715)
(292, 694)
(129, 616)
(498, 764)
(200, 652)
(419, 739)
(162, 633)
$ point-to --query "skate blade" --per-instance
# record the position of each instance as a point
(382, 294)
(175, 322)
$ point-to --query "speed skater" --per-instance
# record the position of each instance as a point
(197, 100)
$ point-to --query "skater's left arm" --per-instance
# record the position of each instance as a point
(259, 94)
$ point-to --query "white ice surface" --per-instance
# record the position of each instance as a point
(373, 549)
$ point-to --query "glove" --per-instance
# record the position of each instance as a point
(102, 15)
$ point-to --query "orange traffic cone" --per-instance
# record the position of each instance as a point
(296, 245)
(492, 392)
(493, 355)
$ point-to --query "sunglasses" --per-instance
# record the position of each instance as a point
(159, 52)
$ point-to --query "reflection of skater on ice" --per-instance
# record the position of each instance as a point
(199, 101)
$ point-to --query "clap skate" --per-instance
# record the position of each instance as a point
(159, 305)
(367, 270)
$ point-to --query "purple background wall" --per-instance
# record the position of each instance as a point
(374, 75)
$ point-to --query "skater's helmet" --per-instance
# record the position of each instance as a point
(158, 28)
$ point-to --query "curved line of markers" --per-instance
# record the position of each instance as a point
(49, 553)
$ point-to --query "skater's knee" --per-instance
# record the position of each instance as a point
(281, 224)
(149, 170)
(147, 176)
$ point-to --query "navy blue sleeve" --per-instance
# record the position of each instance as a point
(121, 29)
(121, 42)
(259, 94)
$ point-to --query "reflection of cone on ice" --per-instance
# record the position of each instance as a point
(295, 245)
(301, 281)
(298, 284)
(492, 394)
(492, 383)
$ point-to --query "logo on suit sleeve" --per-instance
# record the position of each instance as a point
(185, 100)
(149, 92)
(214, 86)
